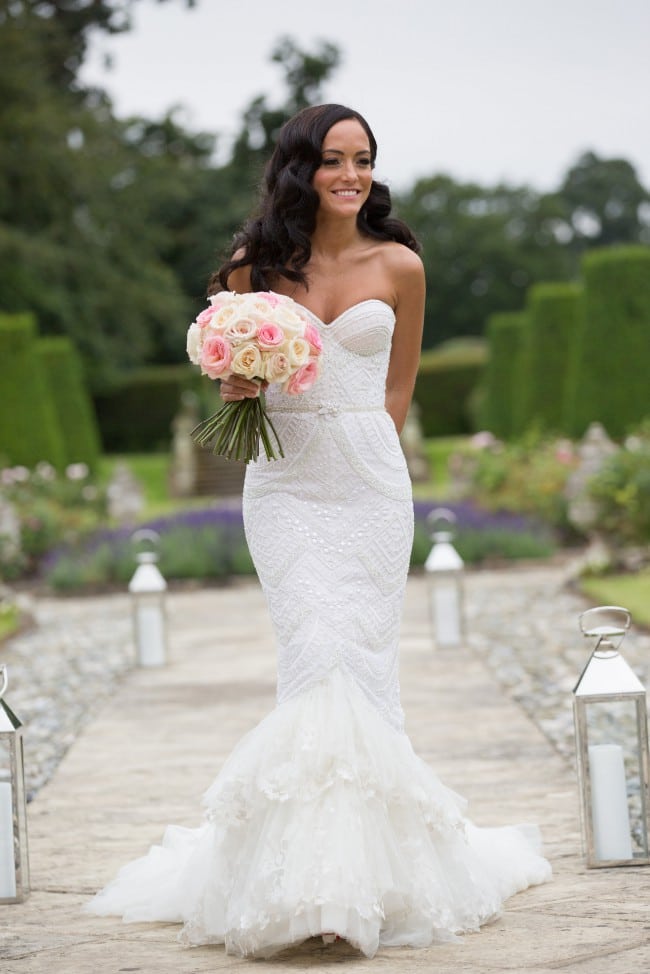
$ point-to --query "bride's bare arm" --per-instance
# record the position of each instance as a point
(407, 337)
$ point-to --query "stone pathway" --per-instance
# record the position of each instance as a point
(523, 623)
(492, 718)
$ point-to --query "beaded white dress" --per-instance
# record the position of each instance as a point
(323, 820)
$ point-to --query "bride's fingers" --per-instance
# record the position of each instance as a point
(236, 387)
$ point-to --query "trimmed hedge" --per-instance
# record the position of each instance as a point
(504, 384)
(554, 312)
(76, 417)
(609, 375)
(29, 429)
(137, 417)
(446, 378)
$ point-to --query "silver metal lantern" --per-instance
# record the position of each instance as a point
(611, 727)
(445, 571)
(14, 851)
(148, 588)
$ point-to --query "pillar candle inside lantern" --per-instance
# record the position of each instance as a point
(446, 613)
(7, 860)
(610, 814)
(150, 635)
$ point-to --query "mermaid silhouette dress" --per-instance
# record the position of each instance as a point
(323, 820)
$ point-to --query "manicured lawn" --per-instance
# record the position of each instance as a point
(9, 619)
(632, 592)
(151, 470)
(438, 451)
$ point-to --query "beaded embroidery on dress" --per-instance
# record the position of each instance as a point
(323, 819)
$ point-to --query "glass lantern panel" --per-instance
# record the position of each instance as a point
(446, 610)
(615, 771)
(7, 831)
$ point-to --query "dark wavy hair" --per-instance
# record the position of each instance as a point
(277, 241)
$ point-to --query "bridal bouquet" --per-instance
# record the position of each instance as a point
(262, 336)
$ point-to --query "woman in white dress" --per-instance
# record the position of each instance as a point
(323, 822)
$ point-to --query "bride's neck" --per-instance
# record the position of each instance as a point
(331, 240)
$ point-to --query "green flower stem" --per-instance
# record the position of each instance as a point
(236, 430)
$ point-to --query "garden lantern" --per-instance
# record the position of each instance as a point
(14, 854)
(609, 706)
(147, 588)
(445, 572)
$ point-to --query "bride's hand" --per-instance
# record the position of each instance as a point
(237, 387)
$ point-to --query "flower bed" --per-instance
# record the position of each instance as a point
(209, 544)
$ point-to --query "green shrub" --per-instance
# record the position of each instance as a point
(29, 428)
(621, 490)
(74, 409)
(445, 381)
(137, 416)
(554, 312)
(610, 360)
(526, 477)
(506, 333)
(482, 535)
(51, 509)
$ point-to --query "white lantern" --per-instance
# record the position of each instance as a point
(14, 852)
(609, 706)
(445, 572)
(147, 588)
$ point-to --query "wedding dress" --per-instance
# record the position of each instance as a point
(323, 820)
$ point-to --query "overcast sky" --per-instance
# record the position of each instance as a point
(487, 90)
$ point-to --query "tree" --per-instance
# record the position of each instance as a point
(482, 248)
(82, 241)
(304, 75)
(64, 27)
(602, 202)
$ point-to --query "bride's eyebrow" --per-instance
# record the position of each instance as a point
(339, 152)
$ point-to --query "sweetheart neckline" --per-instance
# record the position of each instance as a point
(353, 307)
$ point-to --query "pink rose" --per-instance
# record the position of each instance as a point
(301, 380)
(276, 367)
(271, 297)
(269, 335)
(215, 356)
(205, 317)
(314, 339)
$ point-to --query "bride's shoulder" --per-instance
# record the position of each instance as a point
(401, 263)
(398, 256)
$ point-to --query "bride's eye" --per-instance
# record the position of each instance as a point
(331, 161)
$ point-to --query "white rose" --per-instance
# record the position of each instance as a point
(247, 361)
(194, 343)
(239, 331)
(223, 318)
(260, 308)
(298, 352)
(290, 322)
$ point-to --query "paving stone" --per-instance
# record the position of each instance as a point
(120, 752)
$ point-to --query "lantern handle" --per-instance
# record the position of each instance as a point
(441, 520)
(5, 679)
(145, 535)
(611, 632)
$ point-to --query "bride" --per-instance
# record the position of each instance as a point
(323, 821)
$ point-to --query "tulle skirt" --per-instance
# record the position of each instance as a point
(323, 820)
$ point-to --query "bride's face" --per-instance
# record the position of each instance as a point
(344, 177)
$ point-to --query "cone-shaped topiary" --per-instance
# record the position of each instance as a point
(506, 333)
(609, 376)
(74, 409)
(29, 429)
(554, 311)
